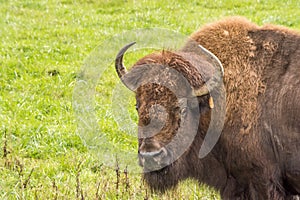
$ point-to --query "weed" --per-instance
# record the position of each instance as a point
(79, 192)
(55, 190)
(26, 182)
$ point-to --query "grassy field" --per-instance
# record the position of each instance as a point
(43, 47)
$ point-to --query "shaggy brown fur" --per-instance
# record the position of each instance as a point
(230, 41)
(257, 155)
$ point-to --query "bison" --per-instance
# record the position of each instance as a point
(257, 153)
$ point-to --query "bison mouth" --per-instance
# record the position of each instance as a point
(155, 160)
(161, 169)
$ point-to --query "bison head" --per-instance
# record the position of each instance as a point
(173, 104)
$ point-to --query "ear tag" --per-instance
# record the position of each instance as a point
(211, 102)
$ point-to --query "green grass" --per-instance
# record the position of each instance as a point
(43, 45)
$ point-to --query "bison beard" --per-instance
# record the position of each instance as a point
(257, 155)
(165, 178)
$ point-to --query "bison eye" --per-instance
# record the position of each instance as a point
(137, 106)
(183, 105)
(183, 112)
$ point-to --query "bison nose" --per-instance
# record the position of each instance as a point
(154, 160)
(152, 154)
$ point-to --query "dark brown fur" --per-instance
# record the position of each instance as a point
(257, 155)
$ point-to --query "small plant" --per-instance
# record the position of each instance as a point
(5, 151)
(79, 191)
(55, 190)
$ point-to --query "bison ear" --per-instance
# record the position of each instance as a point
(134, 78)
(204, 91)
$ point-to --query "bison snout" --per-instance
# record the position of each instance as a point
(154, 160)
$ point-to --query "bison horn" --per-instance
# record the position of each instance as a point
(201, 91)
(120, 68)
(213, 58)
(215, 79)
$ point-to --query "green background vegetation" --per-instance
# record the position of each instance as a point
(42, 47)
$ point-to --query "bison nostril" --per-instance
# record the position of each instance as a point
(149, 145)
